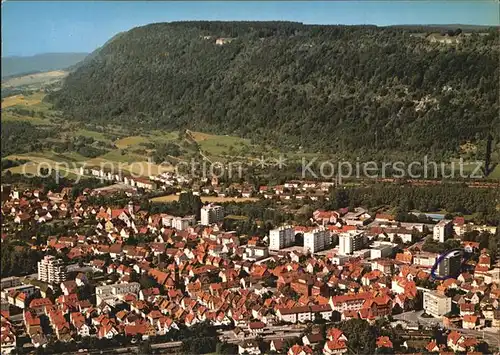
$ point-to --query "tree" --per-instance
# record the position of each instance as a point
(226, 348)
(145, 348)
(343, 113)
(361, 335)
(398, 240)
(147, 281)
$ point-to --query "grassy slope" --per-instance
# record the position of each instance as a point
(217, 148)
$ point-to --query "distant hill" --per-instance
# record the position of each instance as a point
(12, 66)
(361, 89)
(438, 28)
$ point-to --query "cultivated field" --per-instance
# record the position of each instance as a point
(21, 100)
(130, 141)
(34, 79)
(219, 145)
(130, 154)
(9, 116)
(98, 136)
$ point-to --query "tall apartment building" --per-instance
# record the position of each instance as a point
(281, 237)
(183, 223)
(442, 230)
(450, 265)
(51, 270)
(436, 304)
(317, 239)
(348, 243)
(211, 214)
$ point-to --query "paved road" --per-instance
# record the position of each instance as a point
(128, 349)
(491, 336)
(279, 332)
(175, 344)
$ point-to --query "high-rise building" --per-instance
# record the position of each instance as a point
(436, 304)
(183, 223)
(317, 239)
(281, 237)
(51, 270)
(211, 214)
(442, 230)
(348, 243)
(450, 265)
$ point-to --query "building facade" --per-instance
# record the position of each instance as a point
(255, 253)
(7, 282)
(282, 237)
(442, 230)
(211, 214)
(450, 265)
(183, 223)
(317, 239)
(436, 304)
(348, 243)
(380, 251)
(51, 270)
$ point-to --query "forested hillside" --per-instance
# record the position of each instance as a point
(323, 88)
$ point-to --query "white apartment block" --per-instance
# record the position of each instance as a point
(425, 259)
(436, 304)
(304, 314)
(51, 270)
(317, 239)
(282, 237)
(348, 243)
(109, 293)
(442, 230)
(380, 251)
(183, 223)
(166, 220)
(211, 214)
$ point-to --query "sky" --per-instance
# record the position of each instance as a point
(30, 28)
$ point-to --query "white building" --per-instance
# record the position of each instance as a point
(211, 214)
(443, 230)
(436, 304)
(304, 314)
(348, 243)
(282, 237)
(9, 282)
(166, 220)
(183, 223)
(51, 270)
(425, 259)
(28, 290)
(143, 183)
(109, 293)
(380, 251)
(339, 259)
(317, 239)
(255, 253)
